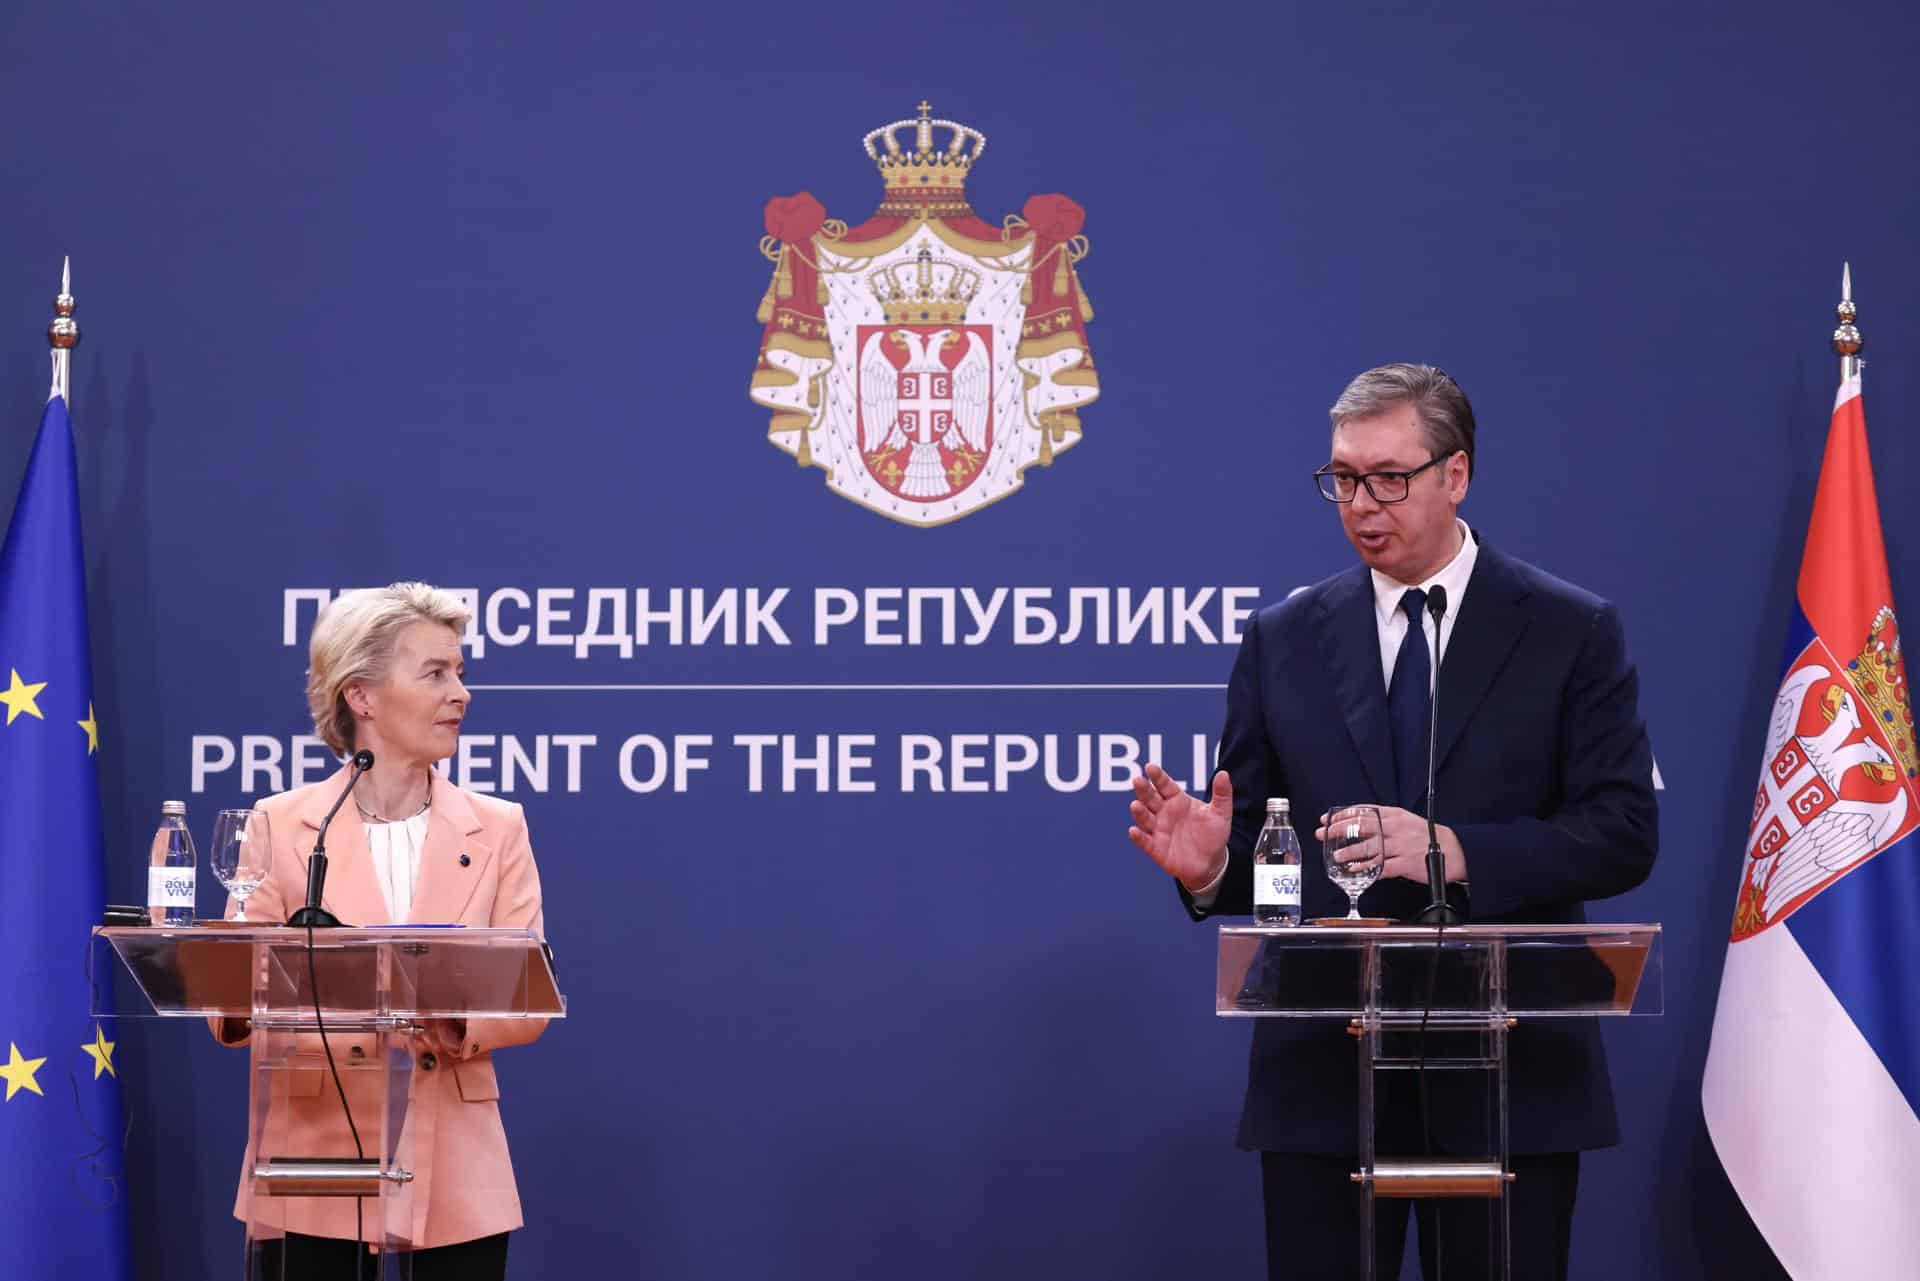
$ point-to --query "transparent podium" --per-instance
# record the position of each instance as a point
(307, 1169)
(1430, 1012)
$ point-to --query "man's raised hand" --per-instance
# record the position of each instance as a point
(1182, 834)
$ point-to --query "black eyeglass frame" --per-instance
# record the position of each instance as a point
(1367, 478)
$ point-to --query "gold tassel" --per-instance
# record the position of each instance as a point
(804, 456)
(1086, 303)
(1046, 439)
(820, 290)
(1060, 273)
(1026, 290)
(783, 274)
(765, 314)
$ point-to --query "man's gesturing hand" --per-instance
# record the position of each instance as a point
(1179, 832)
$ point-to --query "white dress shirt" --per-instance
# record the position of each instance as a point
(1391, 622)
(396, 850)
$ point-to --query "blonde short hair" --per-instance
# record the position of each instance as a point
(354, 639)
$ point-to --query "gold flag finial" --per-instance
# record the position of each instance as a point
(1847, 341)
(63, 332)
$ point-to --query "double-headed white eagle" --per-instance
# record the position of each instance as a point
(966, 422)
(1846, 832)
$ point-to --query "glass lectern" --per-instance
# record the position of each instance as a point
(1428, 1005)
(372, 990)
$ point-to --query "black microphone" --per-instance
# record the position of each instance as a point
(1438, 910)
(313, 916)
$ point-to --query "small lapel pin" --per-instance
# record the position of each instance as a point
(465, 860)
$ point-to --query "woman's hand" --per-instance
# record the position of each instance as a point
(446, 1038)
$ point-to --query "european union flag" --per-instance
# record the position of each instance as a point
(62, 1177)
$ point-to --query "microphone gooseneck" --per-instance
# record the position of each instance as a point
(1439, 913)
(313, 915)
(1438, 910)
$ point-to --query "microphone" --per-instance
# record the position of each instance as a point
(1438, 910)
(313, 916)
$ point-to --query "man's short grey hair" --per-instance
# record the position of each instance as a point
(353, 641)
(1444, 410)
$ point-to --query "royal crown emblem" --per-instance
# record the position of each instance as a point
(928, 289)
(925, 359)
(1880, 675)
(928, 178)
(1838, 783)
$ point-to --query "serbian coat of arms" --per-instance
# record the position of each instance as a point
(1838, 783)
(925, 358)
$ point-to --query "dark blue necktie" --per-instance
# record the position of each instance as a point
(1408, 701)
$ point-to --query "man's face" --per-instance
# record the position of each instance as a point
(1407, 541)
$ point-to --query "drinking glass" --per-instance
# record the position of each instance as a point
(241, 850)
(1350, 829)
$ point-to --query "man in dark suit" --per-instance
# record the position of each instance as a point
(1544, 778)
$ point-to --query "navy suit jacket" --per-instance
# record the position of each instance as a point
(1545, 775)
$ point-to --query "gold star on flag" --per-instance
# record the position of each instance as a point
(19, 698)
(93, 731)
(102, 1052)
(18, 1072)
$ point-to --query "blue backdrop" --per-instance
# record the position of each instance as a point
(466, 293)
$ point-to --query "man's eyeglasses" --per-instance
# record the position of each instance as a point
(1337, 486)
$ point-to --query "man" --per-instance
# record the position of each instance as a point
(1544, 779)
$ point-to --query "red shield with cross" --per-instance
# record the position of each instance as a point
(1831, 795)
(926, 406)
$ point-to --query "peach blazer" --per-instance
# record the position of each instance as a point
(476, 868)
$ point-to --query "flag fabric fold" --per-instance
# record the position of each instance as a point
(62, 1173)
(1812, 1084)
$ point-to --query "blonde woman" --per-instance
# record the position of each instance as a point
(385, 675)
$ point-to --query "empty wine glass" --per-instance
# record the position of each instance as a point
(1353, 830)
(241, 850)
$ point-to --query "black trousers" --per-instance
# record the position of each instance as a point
(330, 1259)
(1313, 1222)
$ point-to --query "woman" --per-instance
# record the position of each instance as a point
(385, 676)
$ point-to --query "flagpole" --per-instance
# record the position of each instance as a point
(1846, 339)
(63, 335)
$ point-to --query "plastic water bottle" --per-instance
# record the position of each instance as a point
(1276, 868)
(171, 869)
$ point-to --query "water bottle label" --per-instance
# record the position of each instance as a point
(169, 887)
(1276, 885)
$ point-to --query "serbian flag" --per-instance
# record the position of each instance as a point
(1812, 1089)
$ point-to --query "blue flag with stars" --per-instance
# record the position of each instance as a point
(63, 1205)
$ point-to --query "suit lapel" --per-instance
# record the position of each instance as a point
(1349, 639)
(352, 892)
(446, 887)
(1490, 623)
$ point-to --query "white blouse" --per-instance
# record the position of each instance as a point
(396, 861)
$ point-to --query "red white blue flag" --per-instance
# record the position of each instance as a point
(1812, 1088)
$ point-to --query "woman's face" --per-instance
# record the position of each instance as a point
(413, 716)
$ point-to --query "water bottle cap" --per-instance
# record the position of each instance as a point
(1277, 805)
(173, 809)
